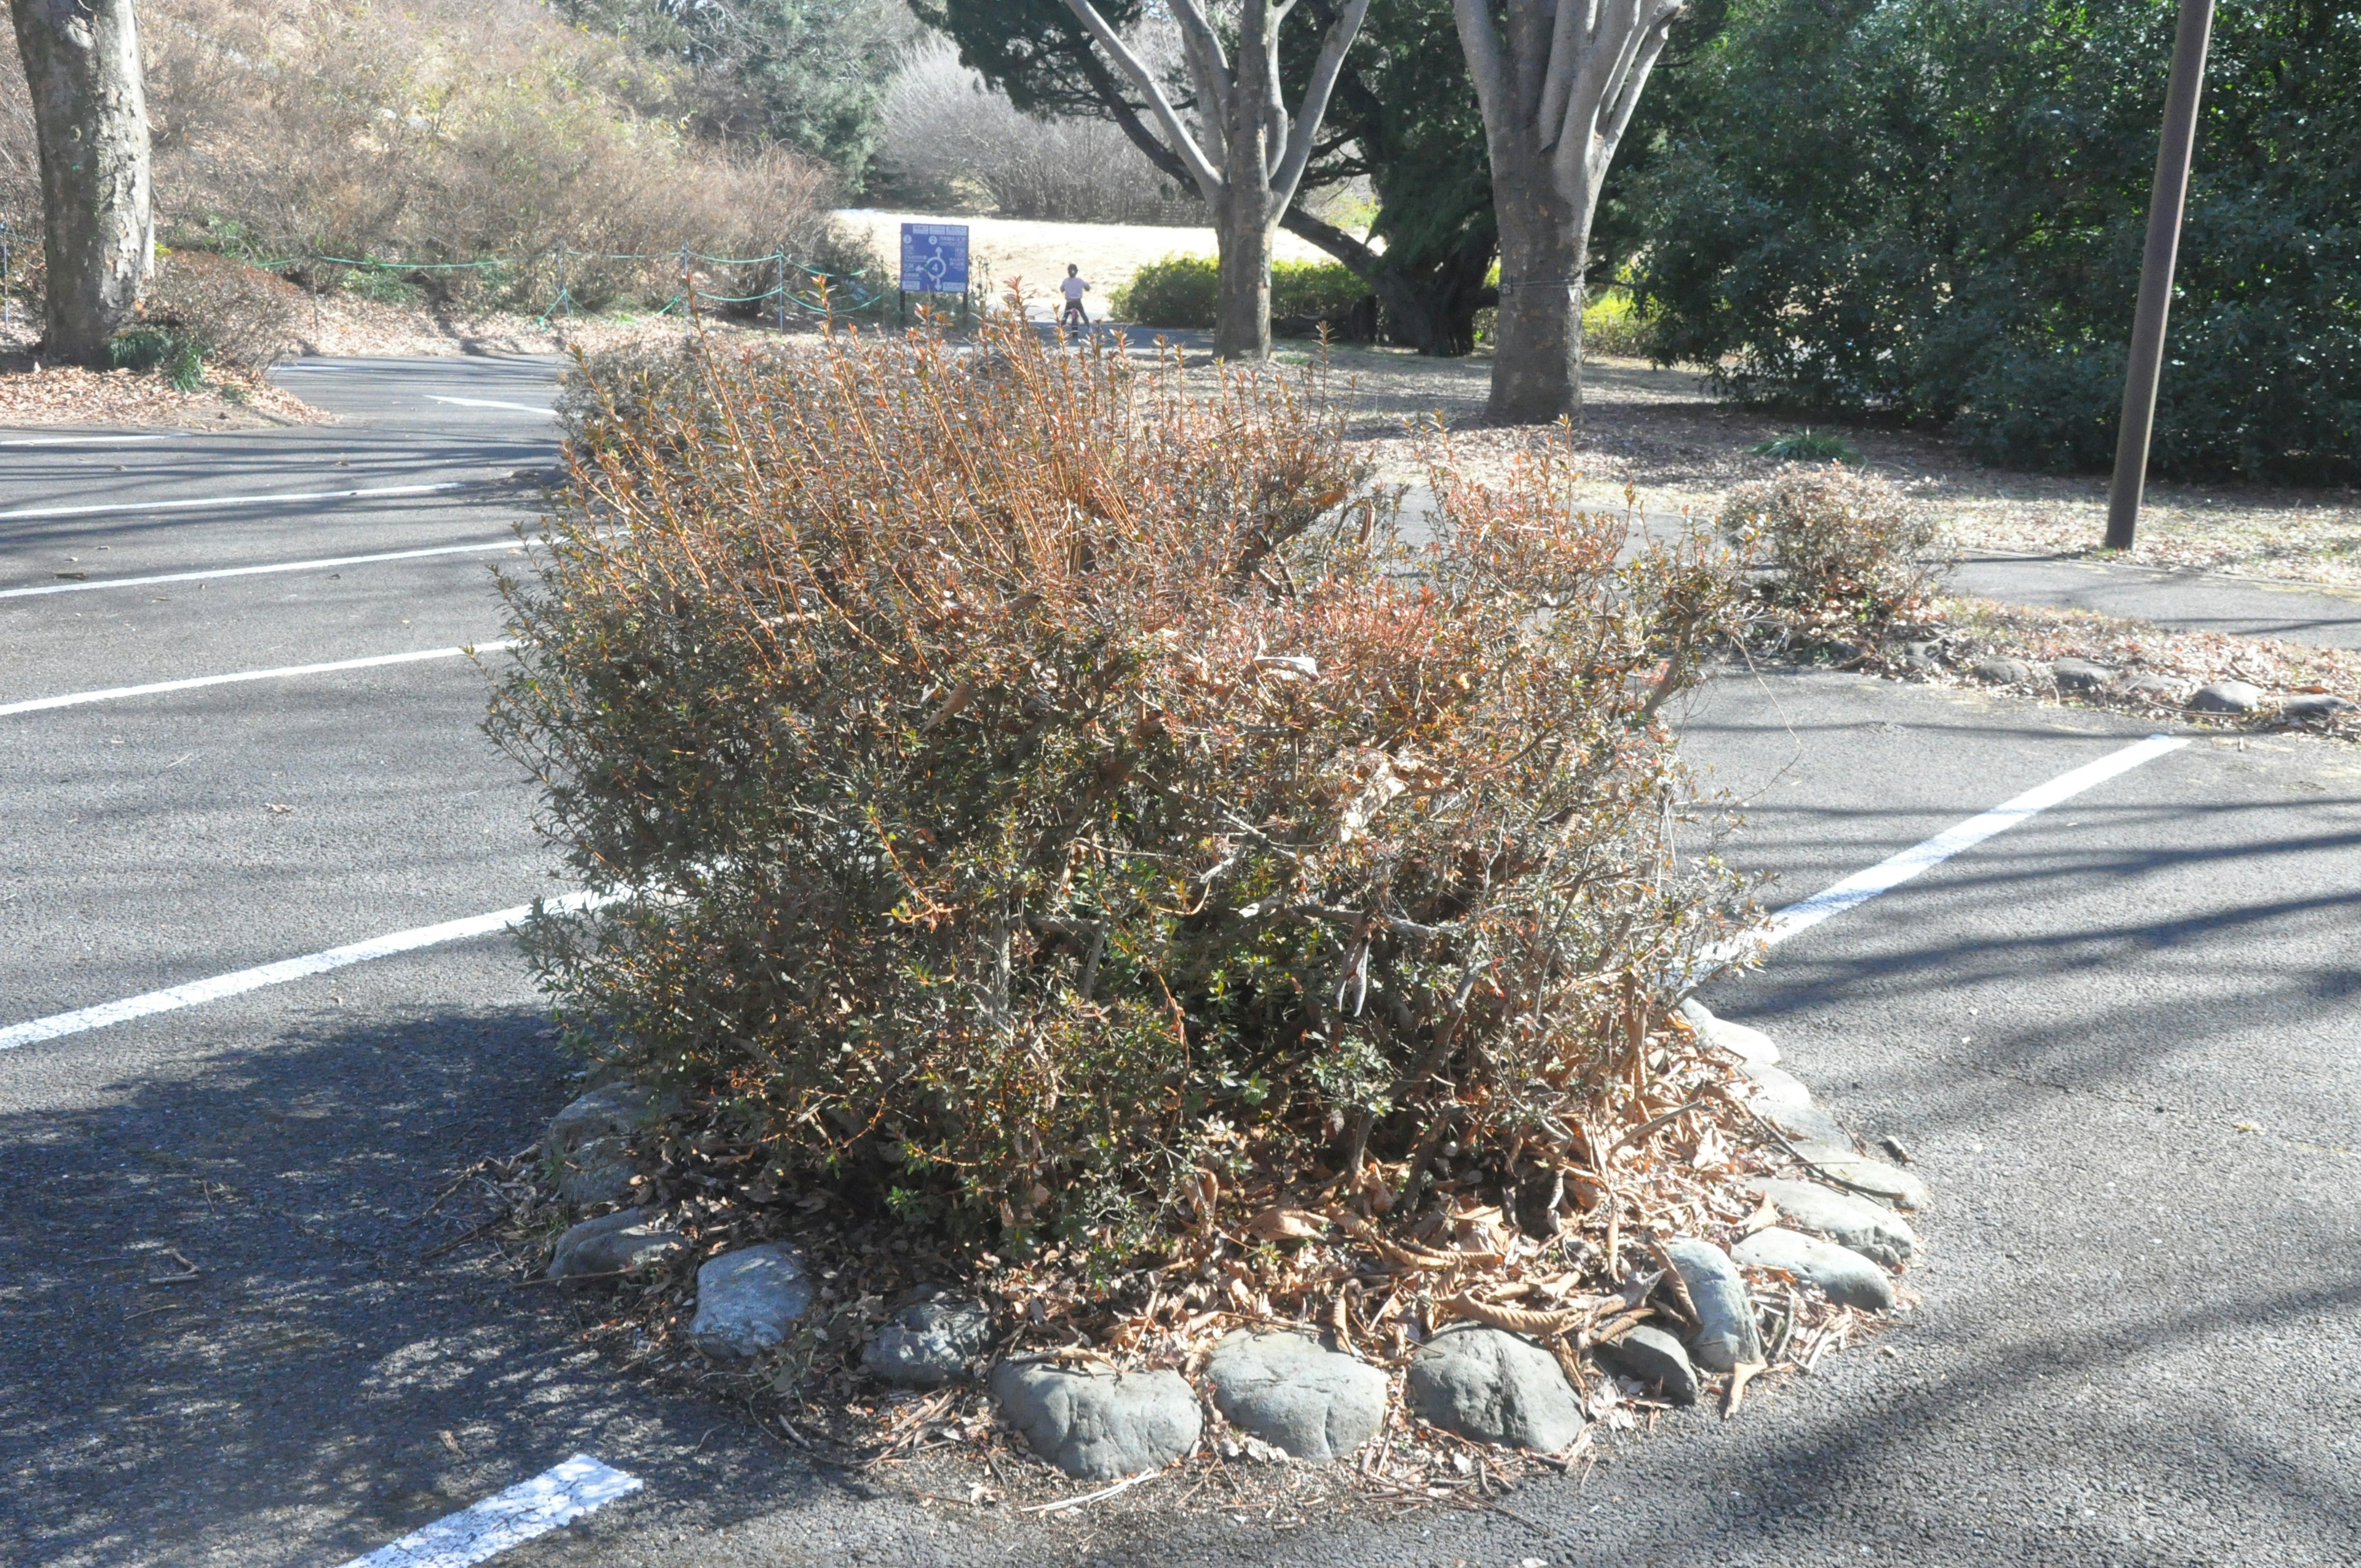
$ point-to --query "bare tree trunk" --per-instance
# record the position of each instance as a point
(90, 114)
(1250, 159)
(1537, 343)
(1558, 81)
(1242, 319)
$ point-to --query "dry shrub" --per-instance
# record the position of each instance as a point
(1047, 796)
(950, 137)
(1837, 551)
(238, 316)
(441, 131)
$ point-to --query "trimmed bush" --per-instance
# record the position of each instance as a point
(1033, 792)
(1185, 291)
(1840, 553)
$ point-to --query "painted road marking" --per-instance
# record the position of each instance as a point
(89, 440)
(117, 506)
(1893, 872)
(1850, 893)
(239, 981)
(489, 403)
(252, 571)
(154, 688)
(557, 1497)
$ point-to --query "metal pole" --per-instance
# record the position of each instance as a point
(2146, 363)
(565, 287)
(783, 291)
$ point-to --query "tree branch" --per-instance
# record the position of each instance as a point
(1488, 66)
(1209, 179)
(1333, 49)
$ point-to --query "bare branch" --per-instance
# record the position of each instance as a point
(1201, 169)
(1490, 68)
(1324, 70)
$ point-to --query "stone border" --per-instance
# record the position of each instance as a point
(1835, 1222)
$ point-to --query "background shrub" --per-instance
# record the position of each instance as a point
(953, 143)
(236, 315)
(1184, 291)
(1842, 552)
(1938, 211)
(442, 130)
(1037, 793)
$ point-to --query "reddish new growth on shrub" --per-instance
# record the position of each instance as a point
(1047, 794)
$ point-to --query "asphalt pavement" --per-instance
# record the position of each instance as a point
(2182, 599)
(2123, 1041)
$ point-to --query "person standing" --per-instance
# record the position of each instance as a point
(1074, 288)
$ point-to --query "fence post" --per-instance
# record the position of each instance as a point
(783, 289)
(688, 284)
(7, 303)
(565, 287)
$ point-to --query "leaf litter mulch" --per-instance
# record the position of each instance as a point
(33, 394)
(1571, 1267)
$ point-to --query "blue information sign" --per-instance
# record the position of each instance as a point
(934, 259)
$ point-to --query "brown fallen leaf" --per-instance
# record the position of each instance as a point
(1281, 1224)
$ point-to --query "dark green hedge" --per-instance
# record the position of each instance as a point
(1937, 211)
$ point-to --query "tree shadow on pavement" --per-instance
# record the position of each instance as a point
(223, 1338)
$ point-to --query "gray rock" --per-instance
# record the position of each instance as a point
(1097, 1425)
(1806, 1123)
(1494, 1388)
(616, 1110)
(928, 1343)
(590, 1140)
(1316, 1404)
(1654, 1357)
(2226, 697)
(1867, 1228)
(613, 1242)
(2151, 688)
(1843, 1275)
(2000, 672)
(1775, 1086)
(2309, 707)
(1890, 1183)
(1726, 1334)
(2080, 675)
(1745, 1044)
(748, 1299)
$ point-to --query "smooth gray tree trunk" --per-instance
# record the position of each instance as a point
(89, 115)
(1558, 81)
(1537, 342)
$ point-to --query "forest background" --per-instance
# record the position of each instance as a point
(1892, 211)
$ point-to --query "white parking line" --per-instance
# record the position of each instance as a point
(89, 440)
(1893, 871)
(557, 1497)
(239, 981)
(489, 403)
(156, 688)
(112, 508)
(252, 571)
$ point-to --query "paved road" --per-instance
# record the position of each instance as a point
(2124, 1040)
(2183, 600)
